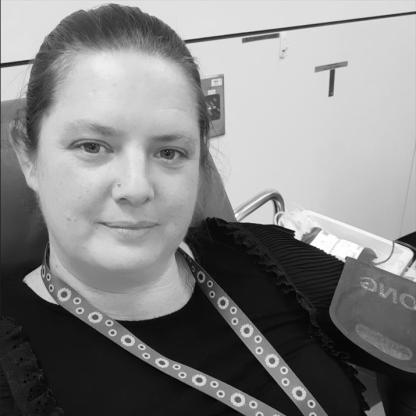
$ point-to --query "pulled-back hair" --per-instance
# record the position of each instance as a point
(108, 27)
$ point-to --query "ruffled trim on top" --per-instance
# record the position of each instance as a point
(23, 387)
(242, 236)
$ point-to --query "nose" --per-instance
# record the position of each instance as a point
(132, 182)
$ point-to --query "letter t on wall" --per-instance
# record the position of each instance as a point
(331, 68)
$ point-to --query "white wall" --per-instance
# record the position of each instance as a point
(348, 156)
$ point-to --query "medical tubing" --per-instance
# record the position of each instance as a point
(388, 258)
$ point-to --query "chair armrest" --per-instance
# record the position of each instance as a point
(259, 200)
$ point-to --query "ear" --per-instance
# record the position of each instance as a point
(27, 162)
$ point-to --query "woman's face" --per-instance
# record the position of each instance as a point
(117, 165)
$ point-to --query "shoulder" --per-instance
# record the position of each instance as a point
(270, 240)
(307, 270)
(218, 230)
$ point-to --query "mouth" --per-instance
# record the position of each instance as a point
(130, 232)
(128, 225)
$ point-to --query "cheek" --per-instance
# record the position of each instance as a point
(66, 195)
(180, 197)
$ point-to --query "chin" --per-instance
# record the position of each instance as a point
(119, 258)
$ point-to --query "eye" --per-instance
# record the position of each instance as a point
(92, 147)
(170, 154)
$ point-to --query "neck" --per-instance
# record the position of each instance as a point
(163, 294)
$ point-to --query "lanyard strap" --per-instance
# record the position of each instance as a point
(254, 340)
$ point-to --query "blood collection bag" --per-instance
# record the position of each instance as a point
(376, 310)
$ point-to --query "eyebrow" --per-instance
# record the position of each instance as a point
(169, 138)
(108, 131)
(91, 126)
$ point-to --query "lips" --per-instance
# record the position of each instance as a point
(130, 225)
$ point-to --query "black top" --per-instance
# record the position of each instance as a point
(280, 283)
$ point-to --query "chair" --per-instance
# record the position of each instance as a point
(23, 234)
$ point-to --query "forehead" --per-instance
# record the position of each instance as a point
(125, 87)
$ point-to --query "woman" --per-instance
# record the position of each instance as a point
(115, 148)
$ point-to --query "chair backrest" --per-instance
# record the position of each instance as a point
(23, 233)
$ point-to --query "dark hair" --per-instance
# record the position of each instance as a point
(113, 27)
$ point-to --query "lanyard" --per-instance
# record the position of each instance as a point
(254, 340)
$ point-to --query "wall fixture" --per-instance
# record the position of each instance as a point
(213, 88)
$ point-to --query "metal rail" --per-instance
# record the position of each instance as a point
(256, 202)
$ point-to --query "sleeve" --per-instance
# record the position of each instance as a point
(23, 388)
(315, 275)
